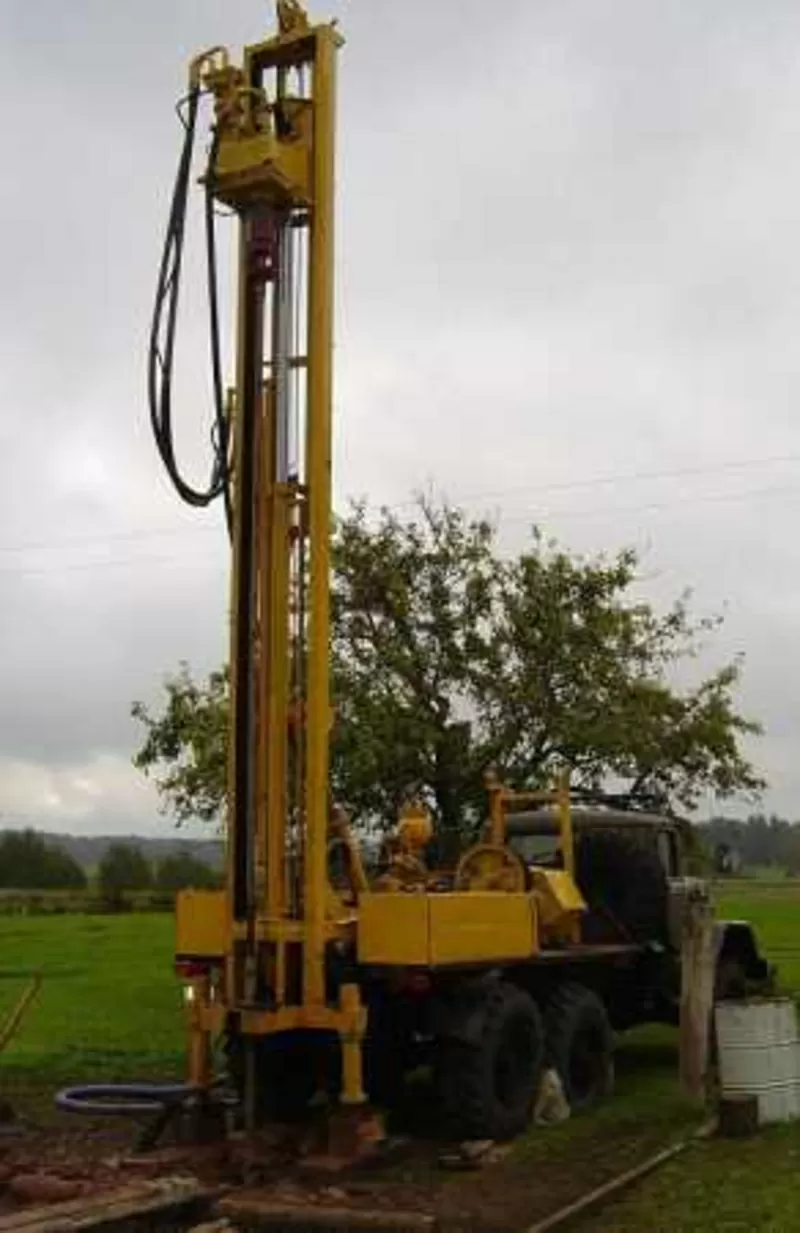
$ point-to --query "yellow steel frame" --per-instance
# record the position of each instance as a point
(501, 797)
(273, 163)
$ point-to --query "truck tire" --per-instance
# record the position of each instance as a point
(624, 885)
(579, 1044)
(488, 1084)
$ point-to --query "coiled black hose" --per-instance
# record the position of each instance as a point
(122, 1099)
(161, 350)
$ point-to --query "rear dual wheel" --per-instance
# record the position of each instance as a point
(579, 1044)
(489, 1082)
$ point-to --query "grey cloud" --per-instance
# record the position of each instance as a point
(566, 250)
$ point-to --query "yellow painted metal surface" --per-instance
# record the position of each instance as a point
(443, 929)
(481, 926)
(560, 905)
(201, 923)
(560, 887)
(264, 169)
(393, 928)
(500, 798)
(272, 162)
(490, 867)
(318, 481)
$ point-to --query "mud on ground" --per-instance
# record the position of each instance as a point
(513, 1187)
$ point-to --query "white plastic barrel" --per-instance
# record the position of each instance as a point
(759, 1055)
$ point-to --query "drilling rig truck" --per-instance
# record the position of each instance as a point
(552, 932)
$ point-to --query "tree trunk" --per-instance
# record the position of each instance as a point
(451, 769)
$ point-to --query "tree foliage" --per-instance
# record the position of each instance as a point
(757, 840)
(181, 871)
(186, 742)
(29, 862)
(449, 659)
(124, 867)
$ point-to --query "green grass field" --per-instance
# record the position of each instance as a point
(109, 1008)
(774, 909)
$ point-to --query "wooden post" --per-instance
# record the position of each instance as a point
(697, 991)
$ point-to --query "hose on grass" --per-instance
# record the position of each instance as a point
(123, 1099)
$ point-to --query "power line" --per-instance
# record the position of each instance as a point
(531, 513)
(599, 511)
(498, 494)
(598, 481)
(101, 540)
(114, 563)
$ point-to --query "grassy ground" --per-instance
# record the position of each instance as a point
(774, 909)
(726, 1186)
(736, 1187)
(109, 1008)
(109, 1005)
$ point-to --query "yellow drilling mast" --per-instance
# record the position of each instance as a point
(274, 165)
(271, 161)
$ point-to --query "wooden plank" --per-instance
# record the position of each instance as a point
(105, 1211)
(255, 1211)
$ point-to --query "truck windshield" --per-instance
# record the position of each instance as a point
(536, 849)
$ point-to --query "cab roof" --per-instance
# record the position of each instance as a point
(544, 821)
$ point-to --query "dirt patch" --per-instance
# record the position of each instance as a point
(532, 1181)
(519, 1185)
(41, 1166)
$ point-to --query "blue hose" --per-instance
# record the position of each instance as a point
(122, 1099)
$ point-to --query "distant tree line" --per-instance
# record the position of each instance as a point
(125, 868)
(30, 862)
(759, 840)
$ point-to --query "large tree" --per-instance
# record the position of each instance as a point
(124, 867)
(450, 658)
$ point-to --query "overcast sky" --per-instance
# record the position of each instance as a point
(568, 292)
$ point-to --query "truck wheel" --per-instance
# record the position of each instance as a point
(579, 1044)
(623, 883)
(488, 1086)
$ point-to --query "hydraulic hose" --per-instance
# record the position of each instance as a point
(122, 1099)
(131, 1099)
(161, 350)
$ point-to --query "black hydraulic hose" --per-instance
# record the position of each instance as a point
(220, 418)
(133, 1099)
(122, 1099)
(163, 326)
